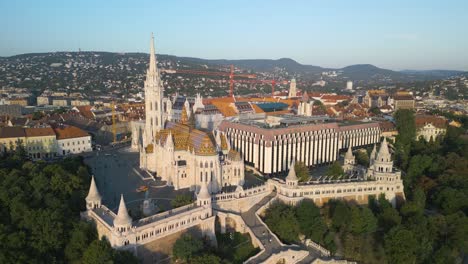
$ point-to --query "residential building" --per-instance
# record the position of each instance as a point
(430, 126)
(12, 137)
(40, 142)
(403, 101)
(72, 140)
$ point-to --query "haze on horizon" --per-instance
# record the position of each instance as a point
(392, 34)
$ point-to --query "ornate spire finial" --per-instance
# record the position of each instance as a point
(152, 64)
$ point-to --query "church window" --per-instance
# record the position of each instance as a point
(211, 164)
(156, 106)
(201, 164)
(201, 176)
(206, 164)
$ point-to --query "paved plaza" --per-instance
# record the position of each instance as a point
(117, 172)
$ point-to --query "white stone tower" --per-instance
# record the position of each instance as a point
(383, 161)
(93, 200)
(291, 179)
(292, 89)
(154, 92)
(349, 160)
(203, 196)
(123, 221)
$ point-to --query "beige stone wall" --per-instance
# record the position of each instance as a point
(160, 250)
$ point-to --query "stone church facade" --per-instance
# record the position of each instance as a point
(183, 156)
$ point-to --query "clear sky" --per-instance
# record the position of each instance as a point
(395, 34)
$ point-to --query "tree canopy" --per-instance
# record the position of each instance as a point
(39, 213)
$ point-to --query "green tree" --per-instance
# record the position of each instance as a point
(400, 246)
(181, 200)
(310, 221)
(186, 247)
(99, 251)
(362, 158)
(205, 259)
(302, 172)
(335, 170)
(282, 221)
(81, 236)
(341, 215)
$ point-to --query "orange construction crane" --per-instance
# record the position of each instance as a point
(229, 74)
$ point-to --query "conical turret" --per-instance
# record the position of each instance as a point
(203, 196)
(291, 179)
(169, 141)
(349, 154)
(384, 153)
(122, 221)
(93, 199)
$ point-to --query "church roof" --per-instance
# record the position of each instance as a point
(122, 218)
(93, 194)
(186, 138)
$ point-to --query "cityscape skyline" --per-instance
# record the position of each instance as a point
(395, 35)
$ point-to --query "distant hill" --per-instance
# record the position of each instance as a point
(439, 73)
(364, 72)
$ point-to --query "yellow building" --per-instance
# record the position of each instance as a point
(18, 101)
(12, 137)
(41, 142)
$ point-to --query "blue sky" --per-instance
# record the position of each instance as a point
(396, 34)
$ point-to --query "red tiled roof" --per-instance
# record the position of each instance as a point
(39, 132)
(70, 132)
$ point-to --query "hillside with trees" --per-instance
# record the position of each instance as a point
(40, 206)
(431, 226)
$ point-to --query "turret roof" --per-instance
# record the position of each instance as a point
(93, 194)
(122, 218)
(292, 173)
(203, 193)
(349, 153)
(383, 151)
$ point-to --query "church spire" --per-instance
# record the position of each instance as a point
(152, 64)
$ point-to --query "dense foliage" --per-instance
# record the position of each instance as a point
(39, 214)
(181, 200)
(233, 248)
(302, 172)
(335, 170)
(289, 222)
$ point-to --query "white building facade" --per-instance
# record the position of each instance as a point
(271, 149)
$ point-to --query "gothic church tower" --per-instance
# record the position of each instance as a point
(154, 93)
